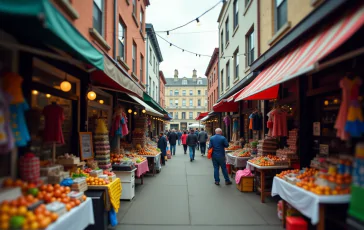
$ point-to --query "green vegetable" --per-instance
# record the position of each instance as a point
(33, 191)
(16, 222)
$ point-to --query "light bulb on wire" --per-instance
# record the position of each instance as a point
(170, 45)
(198, 22)
(167, 33)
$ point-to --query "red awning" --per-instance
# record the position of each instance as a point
(201, 115)
(225, 106)
(233, 97)
(303, 58)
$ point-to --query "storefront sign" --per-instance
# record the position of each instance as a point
(324, 149)
(86, 146)
(316, 128)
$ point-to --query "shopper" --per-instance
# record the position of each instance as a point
(192, 142)
(179, 134)
(184, 141)
(202, 139)
(197, 132)
(172, 141)
(162, 145)
(219, 143)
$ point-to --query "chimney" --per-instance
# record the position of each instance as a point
(175, 75)
(194, 75)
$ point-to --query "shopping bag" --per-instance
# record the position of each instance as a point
(209, 153)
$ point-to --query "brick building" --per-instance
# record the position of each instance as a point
(212, 74)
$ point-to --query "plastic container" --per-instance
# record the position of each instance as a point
(57, 207)
(295, 223)
(76, 195)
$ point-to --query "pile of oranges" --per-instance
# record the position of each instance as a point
(309, 172)
(286, 172)
(309, 185)
(96, 181)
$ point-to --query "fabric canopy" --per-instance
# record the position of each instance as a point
(225, 106)
(234, 96)
(205, 118)
(201, 115)
(152, 102)
(38, 21)
(149, 110)
(305, 57)
(116, 78)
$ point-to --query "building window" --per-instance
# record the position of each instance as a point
(156, 94)
(183, 102)
(205, 92)
(176, 102)
(154, 64)
(171, 114)
(176, 115)
(236, 13)
(280, 14)
(176, 92)
(191, 102)
(183, 92)
(171, 102)
(227, 30)
(141, 67)
(199, 102)
(134, 58)
(236, 64)
(98, 15)
(205, 102)
(170, 92)
(222, 41)
(199, 82)
(228, 74)
(191, 93)
(121, 38)
(190, 115)
(198, 92)
(250, 47)
(134, 7)
(184, 82)
(150, 84)
(222, 80)
(141, 19)
(150, 55)
(183, 115)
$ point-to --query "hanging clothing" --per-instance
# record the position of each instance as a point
(235, 125)
(124, 126)
(18, 124)
(6, 134)
(53, 120)
(355, 123)
(279, 123)
(270, 123)
(257, 121)
(116, 126)
(12, 86)
(345, 85)
(251, 121)
(227, 120)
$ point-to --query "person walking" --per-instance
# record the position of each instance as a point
(172, 141)
(197, 132)
(179, 134)
(218, 142)
(202, 139)
(184, 141)
(192, 142)
(162, 145)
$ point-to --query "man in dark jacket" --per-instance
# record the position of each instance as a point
(197, 132)
(179, 134)
(172, 141)
(202, 138)
(192, 142)
(218, 142)
(162, 145)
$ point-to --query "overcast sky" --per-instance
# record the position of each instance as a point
(168, 14)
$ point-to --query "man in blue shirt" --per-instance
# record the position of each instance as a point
(162, 145)
(197, 145)
(219, 143)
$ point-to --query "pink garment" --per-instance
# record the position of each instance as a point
(142, 168)
(227, 120)
(279, 123)
(242, 173)
(345, 84)
(115, 127)
(124, 126)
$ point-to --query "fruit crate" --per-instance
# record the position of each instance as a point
(246, 184)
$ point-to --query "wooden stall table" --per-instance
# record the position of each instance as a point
(112, 194)
(77, 218)
(153, 162)
(308, 203)
(263, 170)
(142, 168)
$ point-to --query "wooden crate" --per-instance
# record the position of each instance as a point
(246, 184)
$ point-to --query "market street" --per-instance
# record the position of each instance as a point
(184, 196)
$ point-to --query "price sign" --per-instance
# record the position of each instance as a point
(86, 146)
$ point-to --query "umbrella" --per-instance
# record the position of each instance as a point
(196, 126)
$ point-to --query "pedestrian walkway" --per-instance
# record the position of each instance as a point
(184, 196)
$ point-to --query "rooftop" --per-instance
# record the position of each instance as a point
(172, 82)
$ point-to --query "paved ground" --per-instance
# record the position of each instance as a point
(184, 196)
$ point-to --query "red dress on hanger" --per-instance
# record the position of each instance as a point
(54, 117)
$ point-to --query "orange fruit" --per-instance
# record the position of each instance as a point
(54, 217)
(34, 225)
(84, 197)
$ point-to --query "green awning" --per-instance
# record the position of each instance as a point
(38, 21)
(152, 102)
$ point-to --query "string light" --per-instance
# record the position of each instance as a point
(167, 33)
(198, 22)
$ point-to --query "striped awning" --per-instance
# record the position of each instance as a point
(303, 58)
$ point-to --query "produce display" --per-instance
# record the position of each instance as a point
(29, 210)
(242, 153)
(269, 160)
(97, 181)
(119, 158)
(148, 150)
(233, 147)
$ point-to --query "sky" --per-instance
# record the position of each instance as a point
(168, 14)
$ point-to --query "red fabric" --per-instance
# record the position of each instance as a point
(271, 93)
(295, 223)
(54, 118)
(202, 115)
(184, 139)
(29, 168)
(225, 106)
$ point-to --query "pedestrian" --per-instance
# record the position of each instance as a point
(173, 141)
(184, 141)
(202, 139)
(197, 132)
(192, 142)
(219, 143)
(162, 145)
(179, 134)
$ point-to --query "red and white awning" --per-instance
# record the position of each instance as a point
(201, 115)
(225, 106)
(303, 58)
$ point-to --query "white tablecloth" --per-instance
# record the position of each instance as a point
(78, 218)
(251, 166)
(304, 201)
(238, 162)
